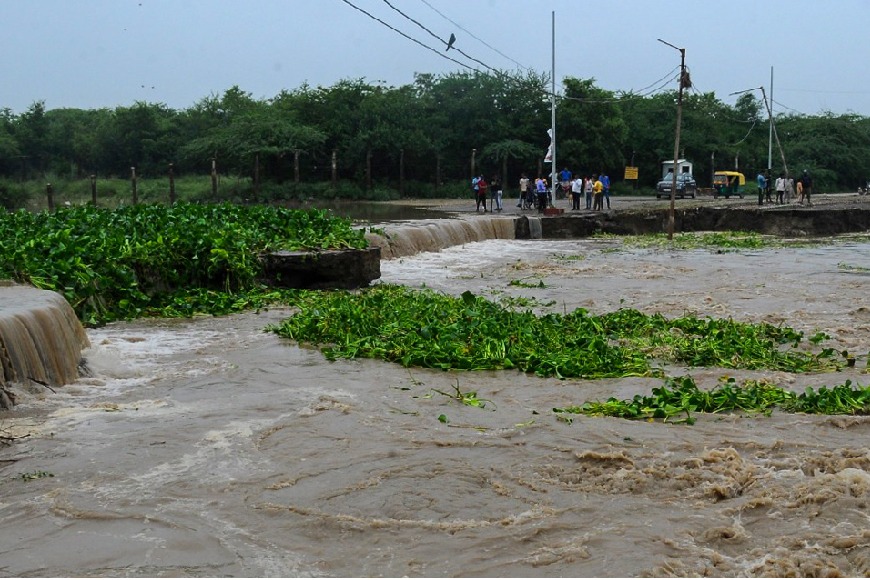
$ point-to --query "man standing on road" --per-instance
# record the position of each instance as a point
(576, 192)
(565, 180)
(587, 188)
(807, 183)
(605, 181)
(597, 194)
(482, 188)
(780, 189)
(524, 191)
(496, 193)
(762, 185)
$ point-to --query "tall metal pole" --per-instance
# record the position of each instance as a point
(770, 122)
(677, 136)
(553, 167)
(775, 134)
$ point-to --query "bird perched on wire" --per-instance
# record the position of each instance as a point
(450, 42)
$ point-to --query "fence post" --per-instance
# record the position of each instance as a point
(94, 190)
(133, 183)
(296, 166)
(172, 184)
(334, 168)
(257, 174)
(214, 178)
(49, 192)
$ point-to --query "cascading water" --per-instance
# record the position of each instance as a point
(40, 337)
(402, 240)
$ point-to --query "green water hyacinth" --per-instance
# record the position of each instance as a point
(680, 397)
(123, 263)
(429, 329)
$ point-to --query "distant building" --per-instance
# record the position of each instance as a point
(685, 167)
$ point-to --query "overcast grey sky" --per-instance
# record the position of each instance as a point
(107, 53)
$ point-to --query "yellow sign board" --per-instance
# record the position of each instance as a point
(630, 173)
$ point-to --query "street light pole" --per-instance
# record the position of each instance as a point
(684, 82)
(772, 128)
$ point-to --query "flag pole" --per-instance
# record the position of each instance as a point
(553, 108)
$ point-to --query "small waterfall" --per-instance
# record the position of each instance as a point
(431, 236)
(40, 337)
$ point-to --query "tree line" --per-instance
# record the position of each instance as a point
(428, 135)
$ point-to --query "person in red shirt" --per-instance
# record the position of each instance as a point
(482, 190)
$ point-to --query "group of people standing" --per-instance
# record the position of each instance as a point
(537, 194)
(534, 194)
(481, 188)
(785, 188)
(595, 188)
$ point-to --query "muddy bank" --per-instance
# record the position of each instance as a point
(820, 220)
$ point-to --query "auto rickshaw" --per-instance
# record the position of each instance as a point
(728, 183)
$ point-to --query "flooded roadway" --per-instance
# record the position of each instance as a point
(208, 447)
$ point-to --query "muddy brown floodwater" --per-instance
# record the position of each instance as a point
(208, 447)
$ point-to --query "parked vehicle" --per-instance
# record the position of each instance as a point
(728, 183)
(686, 186)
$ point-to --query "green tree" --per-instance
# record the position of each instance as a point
(31, 132)
(72, 140)
(834, 148)
(590, 130)
(10, 151)
(141, 136)
(255, 133)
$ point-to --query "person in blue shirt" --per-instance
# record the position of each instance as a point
(762, 185)
(565, 181)
(605, 181)
(542, 192)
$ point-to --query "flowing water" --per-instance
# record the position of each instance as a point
(40, 337)
(208, 447)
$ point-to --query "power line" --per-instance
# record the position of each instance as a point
(459, 50)
(745, 137)
(469, 33)
(432, 34)
(666, 79)
(427, 47)
(499, 74)
(787, 108)
(627, 96)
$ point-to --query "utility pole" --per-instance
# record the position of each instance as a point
(684, 83)
(770, 122)
(774, 134)
(712, 168)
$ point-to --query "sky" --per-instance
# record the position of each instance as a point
(92, 54)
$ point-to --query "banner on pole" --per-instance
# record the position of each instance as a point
(548, 158)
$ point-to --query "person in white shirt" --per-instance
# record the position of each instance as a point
(588, 187)
(780, 189)
(576, 192)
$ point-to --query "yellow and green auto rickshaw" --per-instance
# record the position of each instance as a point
(728, 183)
